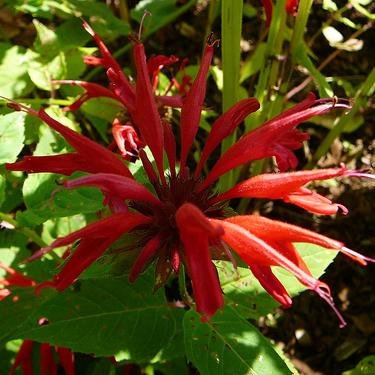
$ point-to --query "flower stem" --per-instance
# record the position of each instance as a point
(231, 25)
(26, 231)
(183, 289)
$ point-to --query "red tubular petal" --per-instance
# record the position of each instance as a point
(64, 164)
(224, 126)
(277, 185)
(194, 230)
(47, 364)
(155, 64)
(278, 231)
(97, 156)
(267, 4)
(123, 90)
(314, 202)
(147, 253)
(193, 102)
(24, 359)
(291, 7)
(107, 57)
(94, 240)
(253, 250)
(277, 138)
(122, 87)
(67, 360)
(175, 260)
(274, 230)
(174, 101)
(146, 114)
(103, 228)
(93, 89)
(148, 167)
(15, 278)
(271, 284)
(115, 185)
(170, 147)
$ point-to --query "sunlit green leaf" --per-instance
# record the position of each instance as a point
(244, 292)
(228, 344)
(11, 136)
(14, 81)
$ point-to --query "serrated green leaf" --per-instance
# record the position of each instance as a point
(11, 136)
(42, 70)
(46, 42)
(14, 81)
(106, 316)
(244, 292)
(11, 245)
(16, 309)
(228, 344)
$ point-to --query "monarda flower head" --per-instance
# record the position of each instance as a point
(182, 220)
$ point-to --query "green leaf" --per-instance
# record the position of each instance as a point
(301, 55)
(14, 81)
(365, 367)
(46, 42)
(11, 245)
(44, 198)
(245, 294)
(100, 17)
(42, 70)
(106, 316)
(15, 310)
(254, 62)
(2, 189)
(11, 136)
(228, 344)
(162, 11)
(61, 227)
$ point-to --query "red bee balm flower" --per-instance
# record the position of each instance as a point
(182, 221)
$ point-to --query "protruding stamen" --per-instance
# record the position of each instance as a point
(145, 14)
(325, 293)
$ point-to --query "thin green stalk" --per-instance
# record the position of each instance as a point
(269, 74)
(48, 101)
(183, 289)
(231, 25)
(124, 10)
(300, 24)
(213, 11)
(29, 233)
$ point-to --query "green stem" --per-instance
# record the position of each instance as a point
(59, 102)
(213, 11)
(300, 24)
(183, 289)
(231, 24)
(26, 231)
